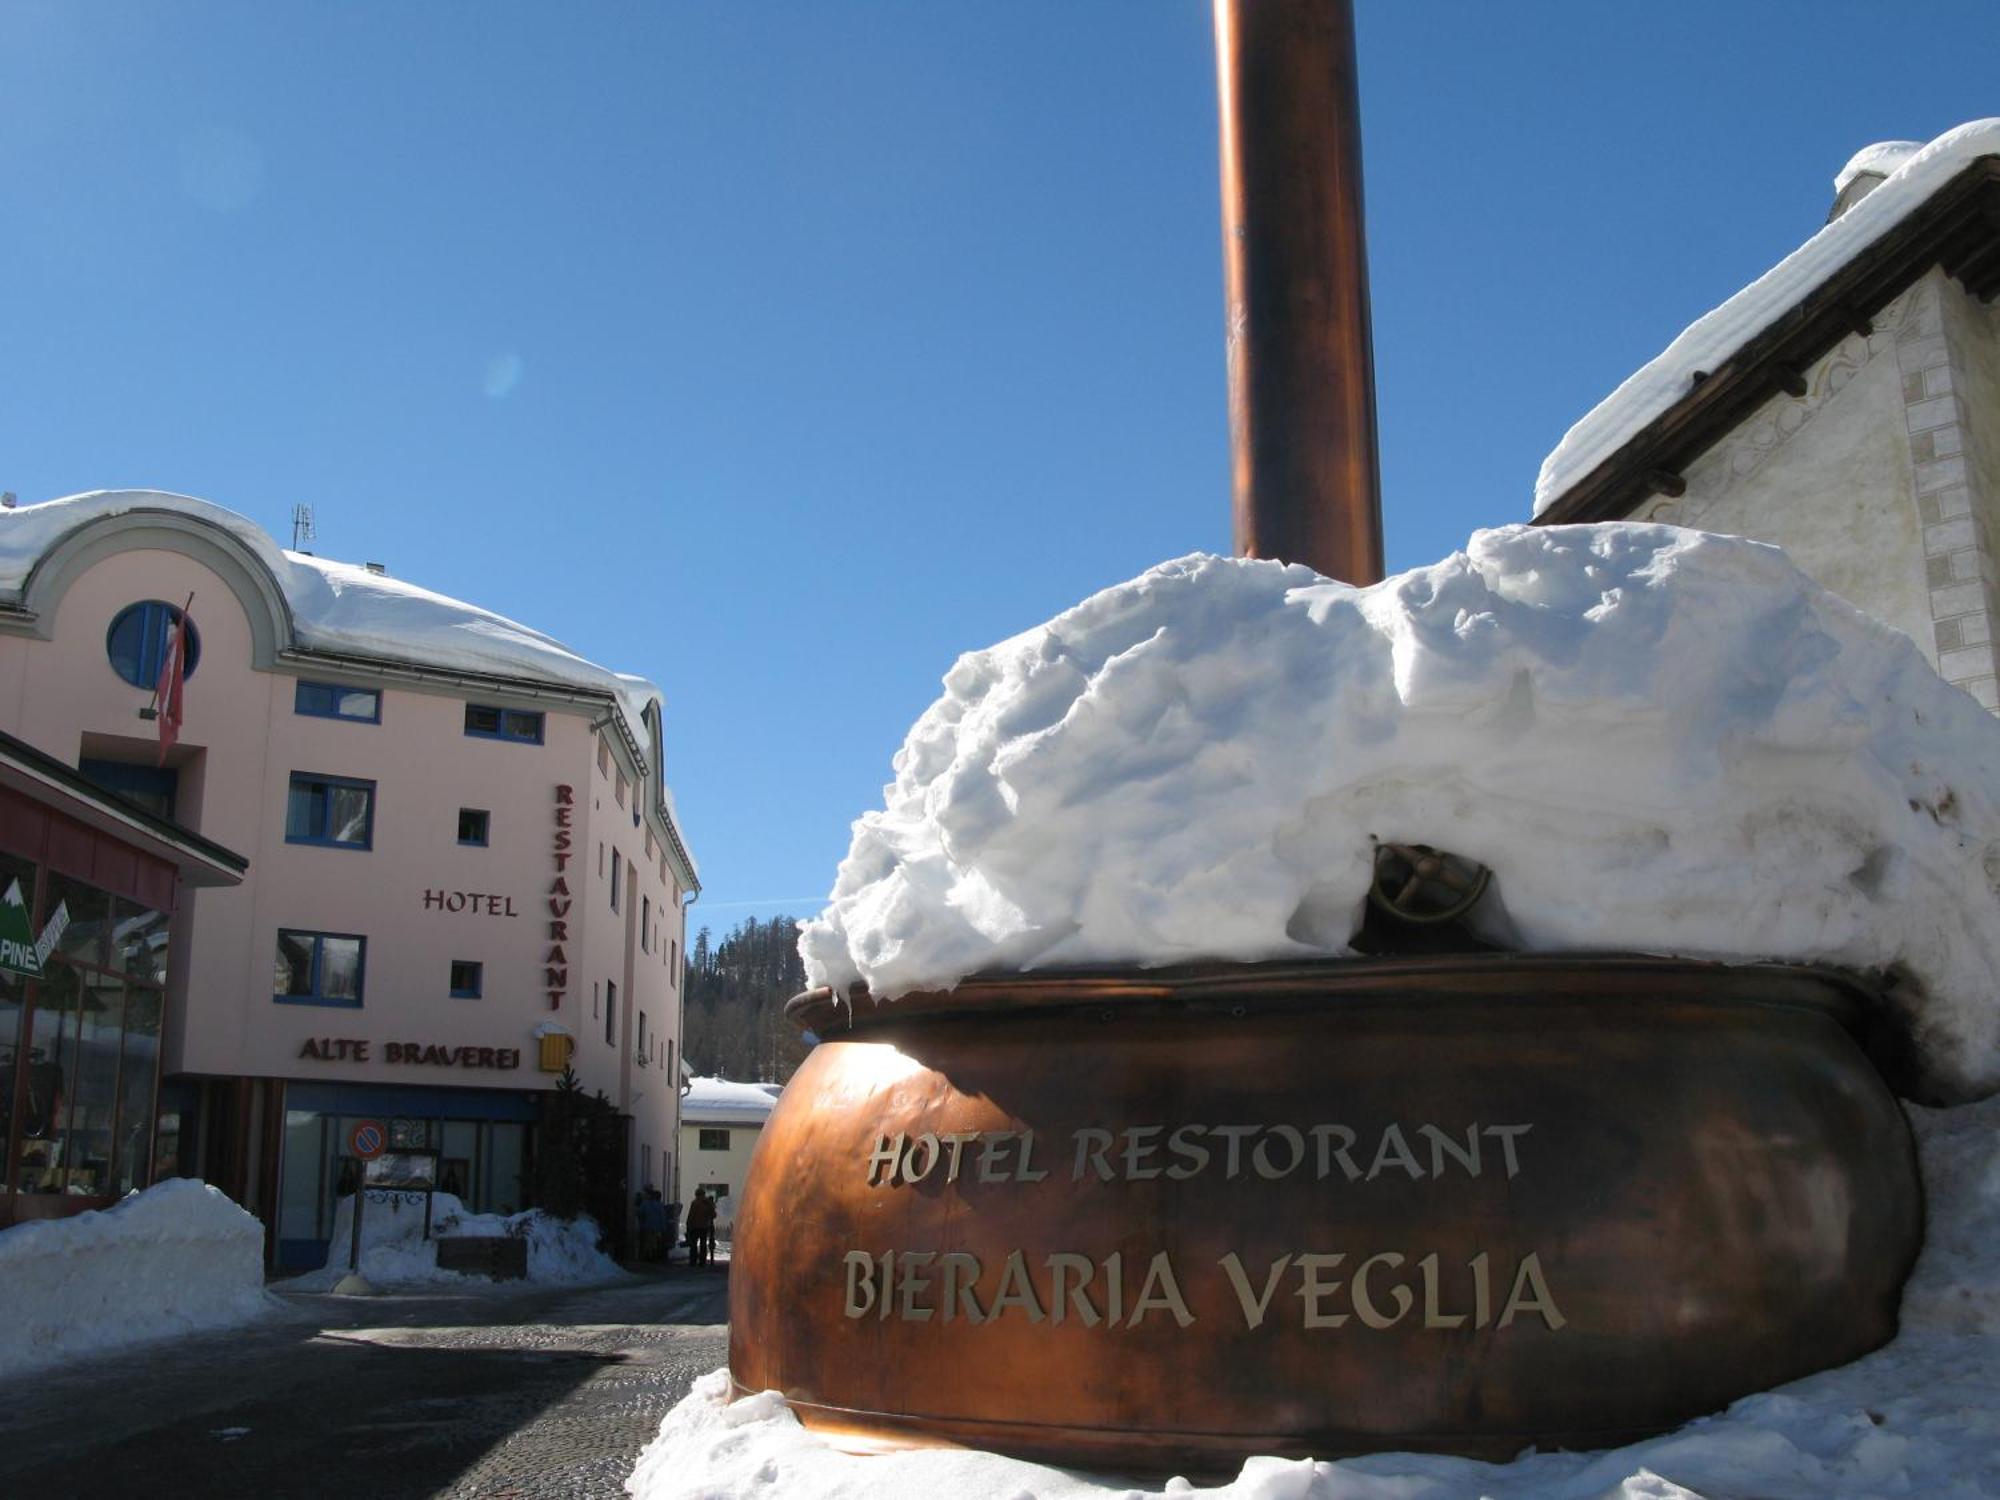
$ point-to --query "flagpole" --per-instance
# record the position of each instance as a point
(152, 710)
(173, 672)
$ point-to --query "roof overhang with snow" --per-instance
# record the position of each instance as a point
(201, 862)
(722, 1101)
(1640, 441)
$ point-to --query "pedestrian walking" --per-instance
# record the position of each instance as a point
(652, 1226)
(701, 1229)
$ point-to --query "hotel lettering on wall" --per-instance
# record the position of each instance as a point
(555, 968)
(408, 1054)
(476, 903)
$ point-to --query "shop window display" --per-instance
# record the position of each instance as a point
(93, 1114)
(79, 1047)
(49, 1065)
(13, 996)
(137, 1078)
(480, 1161)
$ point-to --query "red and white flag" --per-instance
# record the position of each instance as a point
(173, 677)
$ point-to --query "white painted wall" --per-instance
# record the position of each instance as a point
(699, 1168)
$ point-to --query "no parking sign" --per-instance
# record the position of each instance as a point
(368, 1140)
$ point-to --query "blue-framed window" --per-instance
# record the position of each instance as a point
(522, 726)
(330, 700)
(468, 979)
(333, 810)
(136, 643)
(319, 968)
(475, 826)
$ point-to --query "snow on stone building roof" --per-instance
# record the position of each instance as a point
(723, 1102)
(1910, 176)
(347, 609)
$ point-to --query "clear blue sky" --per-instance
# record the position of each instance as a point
(782, 351)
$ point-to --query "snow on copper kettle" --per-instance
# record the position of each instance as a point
(1659, 739)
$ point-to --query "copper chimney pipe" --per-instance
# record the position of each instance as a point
(1301, 361)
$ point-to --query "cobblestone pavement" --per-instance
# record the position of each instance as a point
(504, 1394)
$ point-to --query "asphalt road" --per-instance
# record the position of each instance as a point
(491, 1395)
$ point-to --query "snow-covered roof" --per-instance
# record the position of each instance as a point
(724, 1101)
(345, 609)
(1879, 160)
(1913, 174)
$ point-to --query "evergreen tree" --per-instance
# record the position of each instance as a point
(734, 1022)
(560, 1146)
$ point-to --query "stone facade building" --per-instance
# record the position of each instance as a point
(1845, 406)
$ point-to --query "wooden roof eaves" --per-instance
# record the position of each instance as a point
(1957, 226)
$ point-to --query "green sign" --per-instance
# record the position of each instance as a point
(17, 945)
(19, 953)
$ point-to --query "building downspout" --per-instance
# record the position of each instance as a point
(680, 1031)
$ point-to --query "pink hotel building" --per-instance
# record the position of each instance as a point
(463, 865)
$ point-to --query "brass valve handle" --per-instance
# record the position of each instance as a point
(1416, 883)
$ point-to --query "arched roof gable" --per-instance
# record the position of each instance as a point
(97, 533)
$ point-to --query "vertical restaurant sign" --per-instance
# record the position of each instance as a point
(555, 968)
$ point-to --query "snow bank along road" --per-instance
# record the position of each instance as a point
(498, 1394)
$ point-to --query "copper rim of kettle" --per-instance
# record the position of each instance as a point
(1230, 990)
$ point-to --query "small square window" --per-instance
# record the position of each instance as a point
(330, 700)
(473, 824)
(330, 810)
(712, 1140)
(523, 726)
(468, 979)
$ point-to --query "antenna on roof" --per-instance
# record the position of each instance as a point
(302, 526)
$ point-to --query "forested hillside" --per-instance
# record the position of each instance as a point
(734, 1022)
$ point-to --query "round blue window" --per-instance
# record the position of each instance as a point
(137, 642)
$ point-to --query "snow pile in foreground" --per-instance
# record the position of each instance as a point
(1711, 341)
(394, 1252)
(1919, 1418)
(178, 1258)
(1659, 739)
